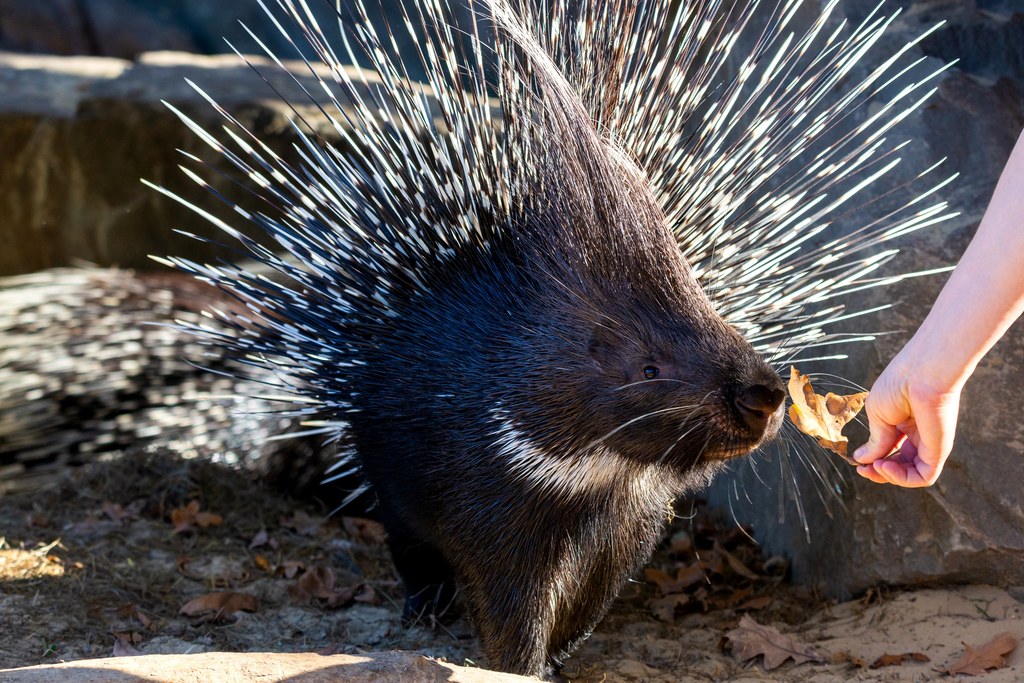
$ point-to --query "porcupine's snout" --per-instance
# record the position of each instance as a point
(760, 405)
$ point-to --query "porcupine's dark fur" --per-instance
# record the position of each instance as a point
(499, 316)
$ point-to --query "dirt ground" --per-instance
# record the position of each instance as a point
(104, 562)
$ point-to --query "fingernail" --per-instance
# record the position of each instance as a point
(859, 453)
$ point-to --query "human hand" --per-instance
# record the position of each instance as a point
(907, 414)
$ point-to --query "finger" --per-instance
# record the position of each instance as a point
(883, 439)
(917, 474)
(868, 472)
(935, 431)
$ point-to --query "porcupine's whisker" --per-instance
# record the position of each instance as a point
(839, 381)
(672, 380)
(654, 413)
(695, 415)
(668, 451)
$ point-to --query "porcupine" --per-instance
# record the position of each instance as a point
(499, 314)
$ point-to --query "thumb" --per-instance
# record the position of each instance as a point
(883, 439)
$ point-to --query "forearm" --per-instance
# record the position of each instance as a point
(983, 296)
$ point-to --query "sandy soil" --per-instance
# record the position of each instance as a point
(94, 567)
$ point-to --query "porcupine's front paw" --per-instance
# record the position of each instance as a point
(429, 602)
(427, 577)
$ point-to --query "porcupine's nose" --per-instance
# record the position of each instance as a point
(756, 405)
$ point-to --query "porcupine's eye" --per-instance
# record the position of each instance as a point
(650, 372)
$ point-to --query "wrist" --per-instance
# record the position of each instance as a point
(932, 362)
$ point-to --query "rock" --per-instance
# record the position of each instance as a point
(970, 525)
(266, 667)
(76, 136)
(129, 28)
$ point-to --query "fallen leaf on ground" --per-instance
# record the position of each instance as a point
(896, 660)
(991, 655)
(224, 605)
(184, 518)
(366, 594)
(302, 523)
(262, 538)
(364, 530)
(664, 608)
(685, 577)
(823, 417)
(318, 583)
(118, 513)
(132, 611)
(848, 658)
(681, 542)
(124, 644)
(290, 569)
(750, 639)
(759, 602)
(735, 564)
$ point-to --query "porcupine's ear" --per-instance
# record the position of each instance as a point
(604, 346)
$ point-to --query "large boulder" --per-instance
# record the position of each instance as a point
(970, 525)
(78, 134)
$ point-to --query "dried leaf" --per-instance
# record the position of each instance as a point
(124, 644)
(182, 564)
(685, 577)
(735, 564)
(262, 538)
(115, 512)
(290, 568)
(896, 660)
(205, 519)
(303, 524)
(364, 530)
(184, 518)
(263, 563)
(664, 608)
(144, 619)
(318, 582)
(757, 603)
(847, 658)
(680, 543)
(224, 606)
(366, 594)
(750, 639)
(991, 655)
(132, 611)
(823, 417)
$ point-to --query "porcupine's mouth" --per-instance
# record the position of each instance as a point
(736, 438)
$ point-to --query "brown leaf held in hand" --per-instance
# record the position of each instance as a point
(750, 639)
(823, 417)
(991, 655)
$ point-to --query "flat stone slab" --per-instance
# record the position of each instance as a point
(265, 667)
